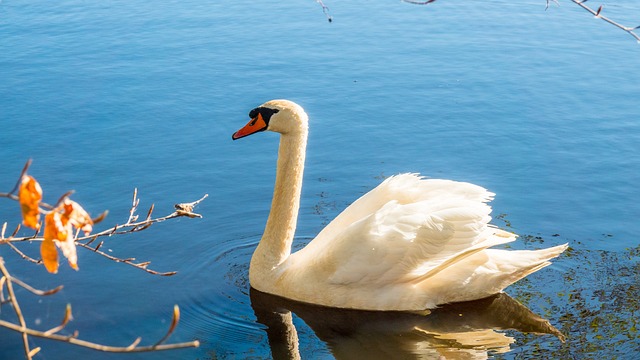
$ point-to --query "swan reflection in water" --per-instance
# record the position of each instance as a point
(455, 331)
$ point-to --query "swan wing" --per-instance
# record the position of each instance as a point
(405, 230)
(405, 189)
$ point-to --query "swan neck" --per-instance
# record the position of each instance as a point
(275, 245)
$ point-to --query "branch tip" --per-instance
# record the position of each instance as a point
(67, 317)
(22, 173)
(100, 217)
(33, 352)
(174, 322)
(134, 343)
(150, 211)
(186, 209)
(63, 197)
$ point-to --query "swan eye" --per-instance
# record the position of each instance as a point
(264, 111)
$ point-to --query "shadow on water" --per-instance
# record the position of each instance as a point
(466, 330)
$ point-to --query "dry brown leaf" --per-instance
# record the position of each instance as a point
(53, 230)
(29, 196)
(77, 216)
(59, 231)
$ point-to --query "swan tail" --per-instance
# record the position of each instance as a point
(517, 264)
(485, 273)
(497, 237)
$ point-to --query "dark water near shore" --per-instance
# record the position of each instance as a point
(541, 107)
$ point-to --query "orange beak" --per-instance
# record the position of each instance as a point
(255, 125)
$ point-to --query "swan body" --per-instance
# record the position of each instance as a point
(409, 244)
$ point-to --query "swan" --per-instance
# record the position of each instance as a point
(410, 244)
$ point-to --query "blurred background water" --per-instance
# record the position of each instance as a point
(540, 107)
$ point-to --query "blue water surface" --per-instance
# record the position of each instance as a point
(541, 107)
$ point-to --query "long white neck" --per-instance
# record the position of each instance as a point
(275, 245)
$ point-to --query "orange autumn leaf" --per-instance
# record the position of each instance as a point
(29, 196)
(59, 230)
(74, 216)
(78, 217)
(54, 230)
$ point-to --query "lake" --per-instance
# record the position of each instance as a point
(540, 107)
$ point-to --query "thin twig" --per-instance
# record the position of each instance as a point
(87, 344)
(187, 208)
(7, 281)
(419, 2)
(24, 171)
(65, 321)
(11, 194)
(3, 280)
(183, 209)
(124, 228)
(16, 309)
(549, 2)
(51, 334)
(598, 13)
(4, 227)
(7, 241)
(325, 10)
(62, 198)
(134, 207)
(142, 265)
(34, 290)
(174, 322)
(22, 255)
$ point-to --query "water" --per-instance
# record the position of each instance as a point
(538, 106)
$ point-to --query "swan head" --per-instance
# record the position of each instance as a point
(282, 116)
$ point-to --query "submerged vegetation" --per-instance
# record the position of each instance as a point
(594, 302)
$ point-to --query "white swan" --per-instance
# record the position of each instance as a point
(409, 244)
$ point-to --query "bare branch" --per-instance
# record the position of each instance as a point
(549, 1)
(325, 10)
(174, 322)
(87, 344)
(100, 217)
(187, 209)
(149, 212)
(4, 227)
(134, 343)
(598, 13)
(419, 2)
(129, 261)
(7, 241)
(16, 307)
(34, 290)
(34, 351)
(132, 225)
(11, 194)
(183, 209)
(63, 197)
(3, 280)
(22, 255)
(134, 207)
(24, 171)
(65, 321)
(51, 334)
